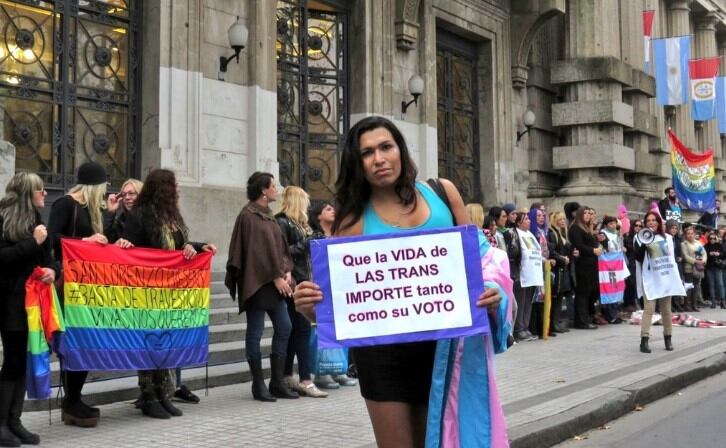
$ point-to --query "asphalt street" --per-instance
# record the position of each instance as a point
(695, 417)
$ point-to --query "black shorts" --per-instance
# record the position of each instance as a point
(396, 372)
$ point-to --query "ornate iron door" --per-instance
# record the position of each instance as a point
(312, 115)
(68, 84)
(457, 117)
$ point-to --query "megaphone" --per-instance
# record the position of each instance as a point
(646, 236)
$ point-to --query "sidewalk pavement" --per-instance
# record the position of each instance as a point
(551, 390)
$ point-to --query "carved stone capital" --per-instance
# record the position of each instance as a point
(406, 24)
(707, 22)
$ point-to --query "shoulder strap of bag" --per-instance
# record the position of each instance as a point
(438, 188)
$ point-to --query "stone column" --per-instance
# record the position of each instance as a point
(679, 24)
(638, 95)
(7, 163)
(720, 150)
(593, 114)
(705, 46)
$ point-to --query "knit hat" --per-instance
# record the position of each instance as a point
(92, 173)
(509, 207)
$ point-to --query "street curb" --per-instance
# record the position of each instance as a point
(552, 430)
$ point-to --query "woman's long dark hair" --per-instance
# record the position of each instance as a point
(353, 190)
(158, 203)
(660, 231)
(314, 214)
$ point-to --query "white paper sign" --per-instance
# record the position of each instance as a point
(408, 285)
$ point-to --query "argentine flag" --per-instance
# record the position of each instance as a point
(703, 74)
(671, 70)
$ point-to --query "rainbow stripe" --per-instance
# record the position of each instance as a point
(44, 320)
(694, 176)
(134, 309)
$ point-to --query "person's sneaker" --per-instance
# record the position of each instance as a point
(185, 395)
(326, 382)
(343, 380)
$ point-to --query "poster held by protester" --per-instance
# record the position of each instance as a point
(133, 309)
(531, 273)
(402, 287)
(659, 272)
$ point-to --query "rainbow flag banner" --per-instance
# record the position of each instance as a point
(613, 271)
(44, 320)
(694, 178)
(133, 309)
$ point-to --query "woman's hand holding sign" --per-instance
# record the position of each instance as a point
(306, 296)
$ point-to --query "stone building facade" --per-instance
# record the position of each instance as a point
(136, 85)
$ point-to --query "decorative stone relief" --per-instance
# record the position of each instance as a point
(407, 24)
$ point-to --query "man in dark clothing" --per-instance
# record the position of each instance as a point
(710, 219)
(670, 209)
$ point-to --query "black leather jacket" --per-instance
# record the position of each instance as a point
(299, 246)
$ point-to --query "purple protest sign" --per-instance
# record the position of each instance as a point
(399, 287)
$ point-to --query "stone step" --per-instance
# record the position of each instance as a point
(126, 388)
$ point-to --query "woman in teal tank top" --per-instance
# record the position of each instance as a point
(377, 193)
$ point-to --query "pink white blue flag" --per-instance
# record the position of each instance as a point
(703, 74)
(671, 70)
(613, 272)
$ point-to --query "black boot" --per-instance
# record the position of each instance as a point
(259, 389)
(644, 345)
(668, 343)
(73, 382)
(278, 386)
(16, 409)
(75, 412)
(7, 438)
(166, 404)
(150, 406)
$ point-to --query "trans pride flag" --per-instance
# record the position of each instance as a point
(133, 309)
(613, 271)
(694, 178)
(44, 320)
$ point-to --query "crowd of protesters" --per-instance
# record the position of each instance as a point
(553, 260)
(566, 245)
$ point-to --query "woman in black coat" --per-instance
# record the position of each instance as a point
(587, 289)
(156, 222)
(79, 214)
(24, 245)
(561, 251)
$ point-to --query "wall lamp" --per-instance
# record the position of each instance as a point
(416, 87)
(528, 119)
(237, 35)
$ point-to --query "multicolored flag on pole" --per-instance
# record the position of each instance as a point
(613, 271)
(721, 103)
(670, 56)
(694, 177)
(648, 17)
(133, 309)
(703, 74)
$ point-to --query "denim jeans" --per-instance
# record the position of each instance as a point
(256, 326)
(715, 284)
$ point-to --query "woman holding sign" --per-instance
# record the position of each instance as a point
(657, 277)
(23, 246)
(79, 214)
(156, 222)
(377, 193)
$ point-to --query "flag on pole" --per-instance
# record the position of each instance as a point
(694, 178)
(648, 17)
(721, 103)
(671, 70)
(703, 74)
